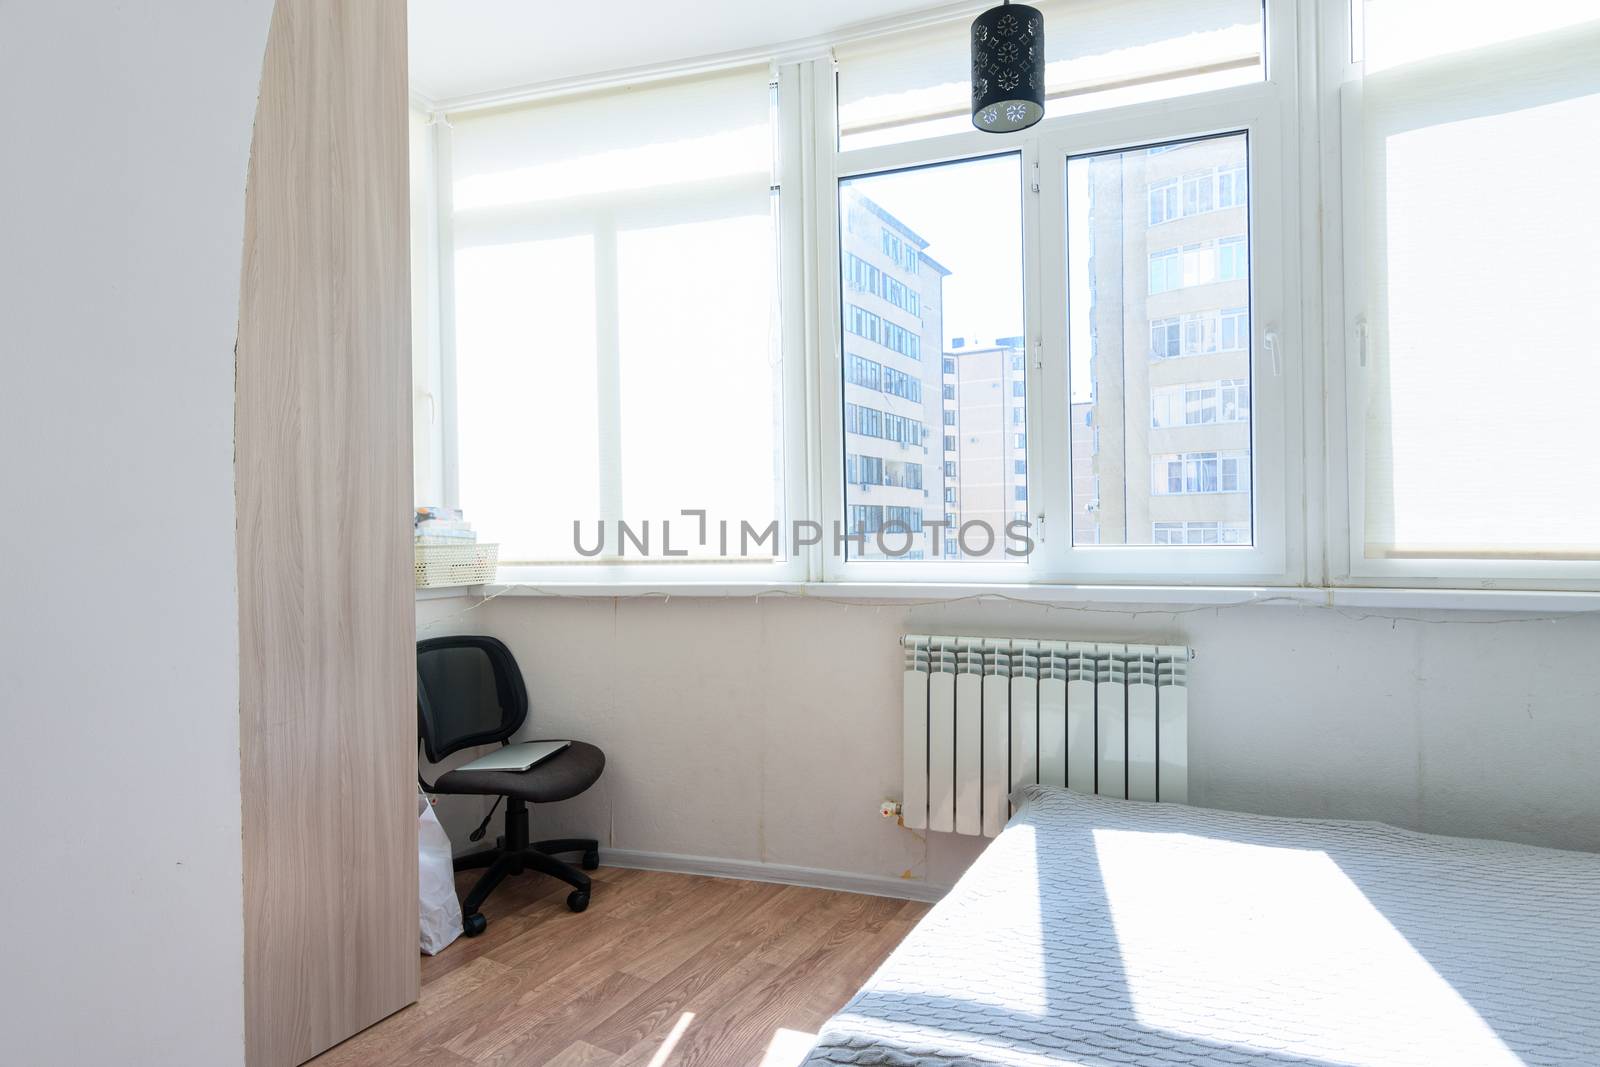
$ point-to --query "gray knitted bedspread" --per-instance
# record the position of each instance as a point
(1108, 932)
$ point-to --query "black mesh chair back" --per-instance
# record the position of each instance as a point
(469, 692)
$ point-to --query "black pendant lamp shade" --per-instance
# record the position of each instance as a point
(1007, 68)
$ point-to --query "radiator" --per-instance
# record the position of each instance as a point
(986, 715)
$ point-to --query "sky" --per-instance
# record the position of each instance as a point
(970, 213)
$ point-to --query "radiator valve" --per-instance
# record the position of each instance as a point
(889, 809)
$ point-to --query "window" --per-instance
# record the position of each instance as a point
(1205, 413)
(917, 84)
(1234, 329)
(1163, 201)
(909, 518)
(899, 383)
(973, 274)
(865, 518)
(1476, 429)
(585, 259)
(863, 372)
(1199, 533)
(1199, 472)
(863, 323)
(1108, 258)
(1166, 270)
(1165, 335)
(1197, 190)
(1231, 187)
(1232, 264)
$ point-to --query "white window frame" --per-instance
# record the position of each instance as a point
(792, 125)
(1263, 111)
(1343, 310)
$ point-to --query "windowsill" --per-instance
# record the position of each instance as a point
(1377, 599)
(444, 592)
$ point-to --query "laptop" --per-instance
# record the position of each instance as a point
(519, 757)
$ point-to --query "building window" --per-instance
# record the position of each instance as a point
(864, 372)
(899, 383)
(1166, 270)
(1197, 190)
(1200, 473)
(949, 365)
(949, 392)
(1231, 188)
(1200, 404)
(1163, 201)
(1234, 400)
(909, 518)
(865, 518)
(949, 417)
(949, 443)
(1232, 259)
(863, 323)
(1235, 329)
(1200, 533)
(1016, 389)
(1165, 335)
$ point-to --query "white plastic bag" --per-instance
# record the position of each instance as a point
(441, 911)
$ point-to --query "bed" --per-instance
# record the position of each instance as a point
(1096, 931)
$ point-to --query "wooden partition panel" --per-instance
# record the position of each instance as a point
(323, 466)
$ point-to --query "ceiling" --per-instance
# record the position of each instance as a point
(462, 48)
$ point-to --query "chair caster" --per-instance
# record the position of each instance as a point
(578, 899)
(473, 925)
(591, 859)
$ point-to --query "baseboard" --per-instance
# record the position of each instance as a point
(779, 873)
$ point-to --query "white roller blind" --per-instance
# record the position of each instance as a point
(1098, 53)
(615, 290)
(1482, 266)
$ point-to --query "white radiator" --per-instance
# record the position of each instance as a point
(985, 715)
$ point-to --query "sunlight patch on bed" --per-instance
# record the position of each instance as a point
(1257, 933)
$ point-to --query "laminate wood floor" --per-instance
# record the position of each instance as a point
(662, 969)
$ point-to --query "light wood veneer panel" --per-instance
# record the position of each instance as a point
(323, 468)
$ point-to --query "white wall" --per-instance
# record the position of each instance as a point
(769, 731)
(127, 134)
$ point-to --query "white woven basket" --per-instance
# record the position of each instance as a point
(469, 564)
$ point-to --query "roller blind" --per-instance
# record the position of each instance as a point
(615, 305)
(1482, 289)
(1098, 53)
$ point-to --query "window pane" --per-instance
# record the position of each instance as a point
(1483, 360)
(1098, 53)
(1160, 346)
(616, 317)
(1400, 32)
(941, 439)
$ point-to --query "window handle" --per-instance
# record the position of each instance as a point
(1270, 339)
(1361, 338)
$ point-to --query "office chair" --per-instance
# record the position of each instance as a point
(469, 693)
